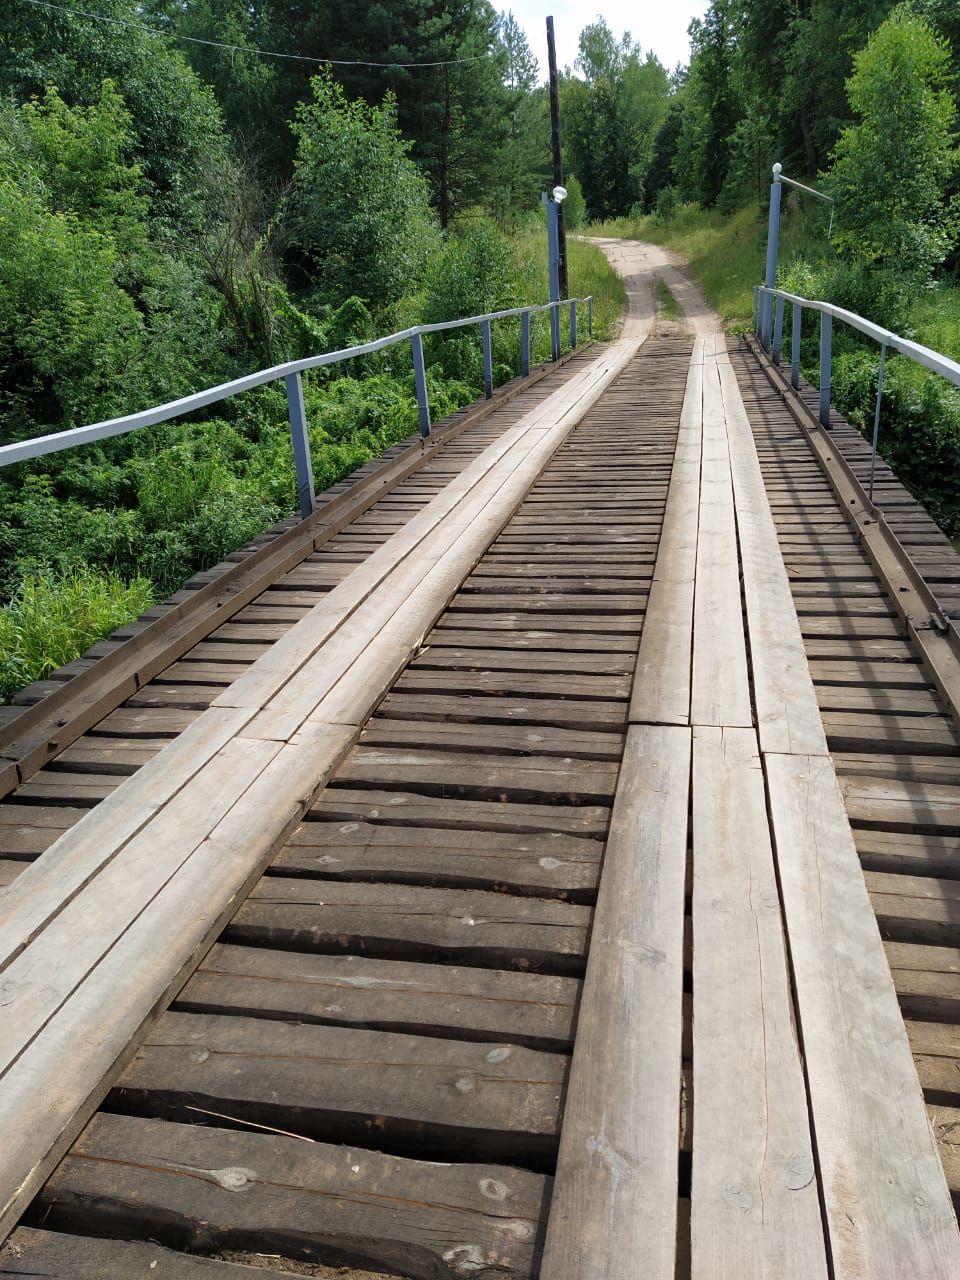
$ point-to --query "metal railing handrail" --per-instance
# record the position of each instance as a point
(291, 372)
(769, 302)
(930, 359)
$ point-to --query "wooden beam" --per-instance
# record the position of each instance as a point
(888, 1207)
(755, 1210)
(614, 1210)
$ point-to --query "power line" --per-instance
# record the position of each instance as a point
(239, 48)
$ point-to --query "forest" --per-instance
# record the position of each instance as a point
(192, 189)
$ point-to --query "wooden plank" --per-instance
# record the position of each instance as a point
(866, 1103)
(661, 686)
(861, 730)
(613, 1212)
(936, 1052)
(452, 1001)
(544, 740)
(895, 804)
(289, 1194)
(446, 1098)
(89, 846)
(397, 921)
(99, 1011)
(480, 775)
(788, 717)
(908, 853)
(548, 864)
(397, 808)
(11, 870)
(29, 1252)
(721, 693)
(754, 1200)
(927, 979)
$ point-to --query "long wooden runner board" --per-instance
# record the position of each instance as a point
(614, 1207)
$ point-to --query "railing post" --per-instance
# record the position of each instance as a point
(524, 344)
(826, 366)
(796, 327)
(555, 332)
(590, 315)
(773, 253)
(876, 416)
(420, 381)
(487, 360)
(301, 443)
(778, 332)
(573, 324)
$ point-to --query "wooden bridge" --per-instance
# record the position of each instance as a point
(542, 861)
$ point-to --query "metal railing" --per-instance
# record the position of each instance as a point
(765, 299)
(291, 373)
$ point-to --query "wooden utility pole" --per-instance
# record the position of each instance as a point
(557, 157)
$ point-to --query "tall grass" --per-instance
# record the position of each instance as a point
(589, 274)
(50, 621)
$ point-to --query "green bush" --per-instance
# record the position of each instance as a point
(919, 426)
(52, 619)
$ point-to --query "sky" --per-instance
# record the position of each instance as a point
(654, 25)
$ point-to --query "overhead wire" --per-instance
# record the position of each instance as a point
(239, 48)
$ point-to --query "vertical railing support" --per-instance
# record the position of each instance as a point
(796, 328)
(525, 344)
(826, 366)
(553, 265)
(301, 443)
(756, 317)
(773, 253)
(590, 315)
(420, 381)
(778, 332)
(876, 416)
(573, 324)
(487, 360)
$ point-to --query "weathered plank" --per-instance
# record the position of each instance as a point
(613, 1212)
(343, 1084)
(205, 1188)
(399, 808)
(754, 1202)
(721, 694)
(536, 1010)
(866, 1104)
(661, 687)
(788, 718)
(468, 926)
(53, 1254)
(548, 864)
(480, 774)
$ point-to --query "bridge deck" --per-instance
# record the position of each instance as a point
(339, 962)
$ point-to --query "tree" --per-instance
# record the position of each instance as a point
(96, 318)
(176, 125)
(891, 170)
(358, 213)
(710, 106)
(612, 118)
(523, 164)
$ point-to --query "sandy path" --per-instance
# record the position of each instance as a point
(640, 265)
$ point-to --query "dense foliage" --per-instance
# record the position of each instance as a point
(174, 214)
